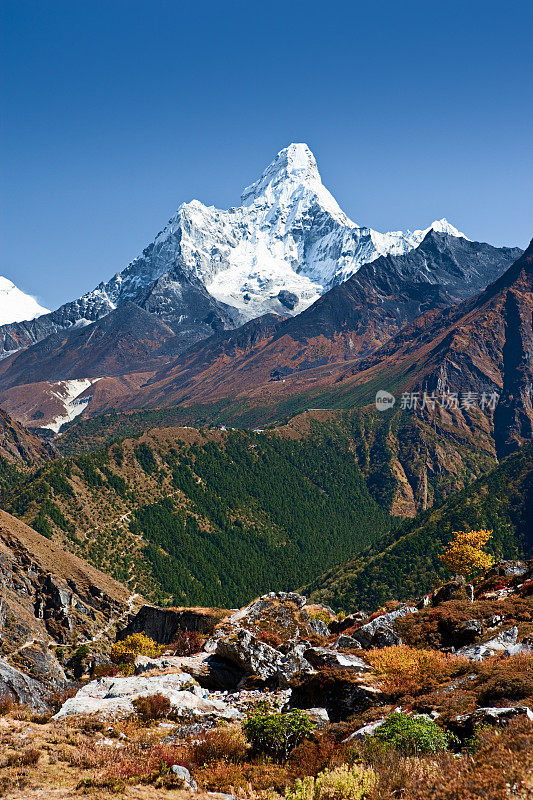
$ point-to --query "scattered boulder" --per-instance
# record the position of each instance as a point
(294, 664)
(319, 716)
(366, 730)
(251, 655)
(324, 657)
(345, 642)
(183, 774)
(288, 299)
(464, 725)
(504, 641)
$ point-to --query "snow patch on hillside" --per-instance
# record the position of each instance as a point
(68, 393)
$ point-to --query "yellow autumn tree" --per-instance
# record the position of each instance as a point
(465, 554)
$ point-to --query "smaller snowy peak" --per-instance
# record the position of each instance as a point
(443, 226)
(15, 305)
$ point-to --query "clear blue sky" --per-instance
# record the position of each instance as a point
(115, 111)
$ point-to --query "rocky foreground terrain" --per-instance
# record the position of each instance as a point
(100, 694)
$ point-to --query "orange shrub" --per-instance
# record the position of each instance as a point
(465, 553)
(403, 670)
(152, 707)
(270, 638)
(221, 744)
(24, 758)
(502, 679)
(186, 643)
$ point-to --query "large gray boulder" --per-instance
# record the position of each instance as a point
(251, 655)
(464, 725)
(20, 688)
(380, 631)
(326, 657)
(111, 697)
(503, 642)
(183, 774)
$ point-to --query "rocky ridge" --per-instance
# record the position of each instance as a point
(310, 658)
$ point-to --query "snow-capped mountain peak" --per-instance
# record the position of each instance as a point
(15, 305)
(287, 244)
(294, 164)
(291, 177)
(279, 251)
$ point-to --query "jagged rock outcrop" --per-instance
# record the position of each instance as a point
(504, 642)
(380, 631)
(458, 589)
(162, 624)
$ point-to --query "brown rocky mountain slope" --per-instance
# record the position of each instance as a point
(20, 446)
(51, 602)
(347, 323)
(482, 346)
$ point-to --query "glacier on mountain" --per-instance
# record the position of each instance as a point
(15, 305)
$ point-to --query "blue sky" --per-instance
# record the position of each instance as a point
(115, 111)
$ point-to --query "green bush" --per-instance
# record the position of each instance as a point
(276, 735)
(412, 735)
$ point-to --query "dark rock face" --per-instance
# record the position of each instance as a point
(288, 299)
(457, 589)
(468, 632)
(162, 624)
(391, 291)
(19, 687)
(341, 692)
(20, 446)
(339, 625)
